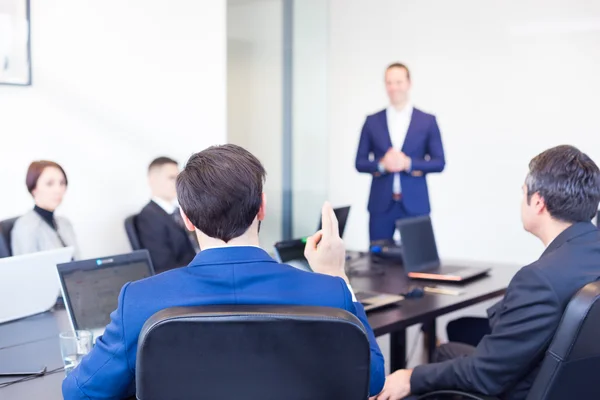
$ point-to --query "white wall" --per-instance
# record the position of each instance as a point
(115, 84)
(506, 79)
(254, 95)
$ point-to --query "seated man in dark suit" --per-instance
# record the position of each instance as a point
(159, 224)
(221, 196)
(560, 197)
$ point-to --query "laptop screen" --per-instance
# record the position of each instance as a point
(341, 214)
(91, 288)
(418, 244)
(290, 250)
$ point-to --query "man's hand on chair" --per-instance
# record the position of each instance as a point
(397, 386)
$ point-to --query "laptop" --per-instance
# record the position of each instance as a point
(91, 288)
(420, 255)
(291, 252)
(341, 213)
(29, 284)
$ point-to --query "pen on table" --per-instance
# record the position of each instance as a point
(450, 292)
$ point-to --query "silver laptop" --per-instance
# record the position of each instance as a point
(91, 287)
(420, 256)
(29, 284)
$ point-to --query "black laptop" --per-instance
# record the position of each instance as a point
(291, 252)
(91, 287)
(420, 255)
(341, 213)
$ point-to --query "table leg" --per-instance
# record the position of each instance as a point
(397, 350)
(429, 329)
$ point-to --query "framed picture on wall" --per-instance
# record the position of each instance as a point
(15, 48)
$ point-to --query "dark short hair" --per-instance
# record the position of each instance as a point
(568, 181)
(220, 190)
(160, 161)
(399, 65)
(35, 171)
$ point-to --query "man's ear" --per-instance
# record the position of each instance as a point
(188, 224)
(262, 211)
(538, 202)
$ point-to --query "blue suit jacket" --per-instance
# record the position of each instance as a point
(236, 275)
(423, 144)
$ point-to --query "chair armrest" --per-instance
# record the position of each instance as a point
(464, 395)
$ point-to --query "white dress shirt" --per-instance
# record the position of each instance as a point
(169, 208)
(398, 123)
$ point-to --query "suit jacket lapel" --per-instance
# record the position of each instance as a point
(385, 128)
(165, 215)
(412, 128)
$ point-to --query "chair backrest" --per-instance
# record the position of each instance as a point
(6, 228)
(571, 367)
(132, 232)
(253, 352)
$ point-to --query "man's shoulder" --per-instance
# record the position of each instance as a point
(154, 282)
(307, 276)
(327, 290)
(272, 283)
(268, 272)
(377, 114)
(566, 269)
(422, 114)
(151, 213)
(149, 208)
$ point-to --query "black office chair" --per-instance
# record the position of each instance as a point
(570, 367)
(253, 352)
(132, 232)
(6, 228)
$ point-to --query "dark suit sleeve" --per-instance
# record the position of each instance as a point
(154, 238)
(105, 372)
(435, 150)
(523, 330)
(363, 163)
(377, 370)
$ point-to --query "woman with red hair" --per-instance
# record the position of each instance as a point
(40, 229)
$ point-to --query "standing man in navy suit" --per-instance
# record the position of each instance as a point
(399, 146)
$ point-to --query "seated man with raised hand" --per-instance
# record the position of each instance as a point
(220, 192)
(560, 197)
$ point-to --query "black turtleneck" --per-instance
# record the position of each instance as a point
(47, 216)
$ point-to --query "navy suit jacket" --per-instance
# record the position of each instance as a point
(507, 361)
(236, 275)
(423, 144)
(168, 243)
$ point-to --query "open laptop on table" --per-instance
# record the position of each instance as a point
(91, 287)
(291, 252)
(341, 213)
(29, 284)
(420, 255)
